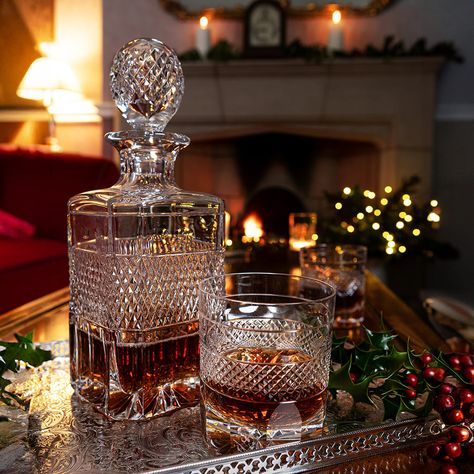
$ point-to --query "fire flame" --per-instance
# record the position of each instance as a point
(336, 17)
(203, 22)
(253, 228)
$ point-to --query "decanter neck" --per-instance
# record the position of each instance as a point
(146, 156)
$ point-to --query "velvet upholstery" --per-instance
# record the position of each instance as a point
(35, 186)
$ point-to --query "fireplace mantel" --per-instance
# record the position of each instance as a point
(390, 103)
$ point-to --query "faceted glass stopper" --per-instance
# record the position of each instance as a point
(147, 83)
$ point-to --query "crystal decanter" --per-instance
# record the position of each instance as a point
(137, 252)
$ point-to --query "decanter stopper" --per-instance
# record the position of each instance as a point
(147, 83)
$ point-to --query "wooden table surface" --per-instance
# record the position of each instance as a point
(48, 318)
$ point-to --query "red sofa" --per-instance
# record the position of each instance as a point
(35, 187)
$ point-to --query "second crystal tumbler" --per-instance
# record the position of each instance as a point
(137, 253)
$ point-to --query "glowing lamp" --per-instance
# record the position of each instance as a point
(203, 36)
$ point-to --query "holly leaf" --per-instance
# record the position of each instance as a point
(379, 340)
(339, 353)
(341, 380)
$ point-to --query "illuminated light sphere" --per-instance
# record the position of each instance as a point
(350, 228)
(434, 203)
(391, 244)
(433, 217)
(315, 237)
(386, 234)
(408, 218)
(366, 193)
(347, 190)
(402, 214)
(389, 250)
(369, 209)
(402, 249)
(228, 242)
(343, 224)
(399, 225)
(376, 226)
(388, 189)
(389, 237)
(371, 195)
(360, 216)
(377, 212)
(416, 232)
(384, 201)
(407, 202)
(406, 196)
(338, 205)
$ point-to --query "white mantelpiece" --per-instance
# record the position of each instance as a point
(390, 103)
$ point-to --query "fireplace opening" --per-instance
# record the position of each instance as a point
(273, 205)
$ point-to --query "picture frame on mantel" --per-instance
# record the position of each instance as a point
(264, 29)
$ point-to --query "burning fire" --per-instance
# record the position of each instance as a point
(253, 228)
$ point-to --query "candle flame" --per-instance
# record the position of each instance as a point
(336, 17)
(253, 228)
(203, 22)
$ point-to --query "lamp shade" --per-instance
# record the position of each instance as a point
(50, 81)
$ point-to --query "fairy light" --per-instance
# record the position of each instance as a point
(360, 216)
(399, 225)
(338, 205)
(347, 190)
(389, 250)
(408, 218)
(315, 237)
(433, 217)
(377, 212)
(388, 189)
(385, 234)
(384, 201)
(407, 202)
(402, 249)
(391, 244)
(366, 193)
(369, 209)
(402, 214)
(389, 237)
(376, 226)
(372, 195)
(350, 228)
(228, 243)
(416, 232)
(434, 203)
(406, 196)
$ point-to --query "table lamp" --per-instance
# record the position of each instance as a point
(53, 82)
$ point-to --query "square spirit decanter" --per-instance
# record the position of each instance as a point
(137, 252)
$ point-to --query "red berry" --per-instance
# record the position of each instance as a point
(466, 396)
(454, 361)
(455, 416)
(448, 468)
(434, 450)
(460, 434)
(353, 377)
(410, 393)
(426, 358)
(453, 450)
(439, 374)
(444, 403)
(466, 360)
(446, 388)
(411, 380)
(429, 373)
(468, 372)
(469, 411)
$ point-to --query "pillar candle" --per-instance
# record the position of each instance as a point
(203, 37)
(336, 33)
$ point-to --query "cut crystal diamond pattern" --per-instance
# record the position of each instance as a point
(147, 82)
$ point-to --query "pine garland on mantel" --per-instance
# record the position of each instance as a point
(224, 51)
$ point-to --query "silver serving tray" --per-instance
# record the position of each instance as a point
(61, 434)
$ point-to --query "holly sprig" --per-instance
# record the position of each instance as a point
(376, 368)
(12, 354)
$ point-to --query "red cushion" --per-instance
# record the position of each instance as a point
(15, 228)
(16, 253)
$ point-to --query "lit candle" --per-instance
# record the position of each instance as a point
(203, 37)
(336, 33)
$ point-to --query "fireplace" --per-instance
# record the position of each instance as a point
(281, 132)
